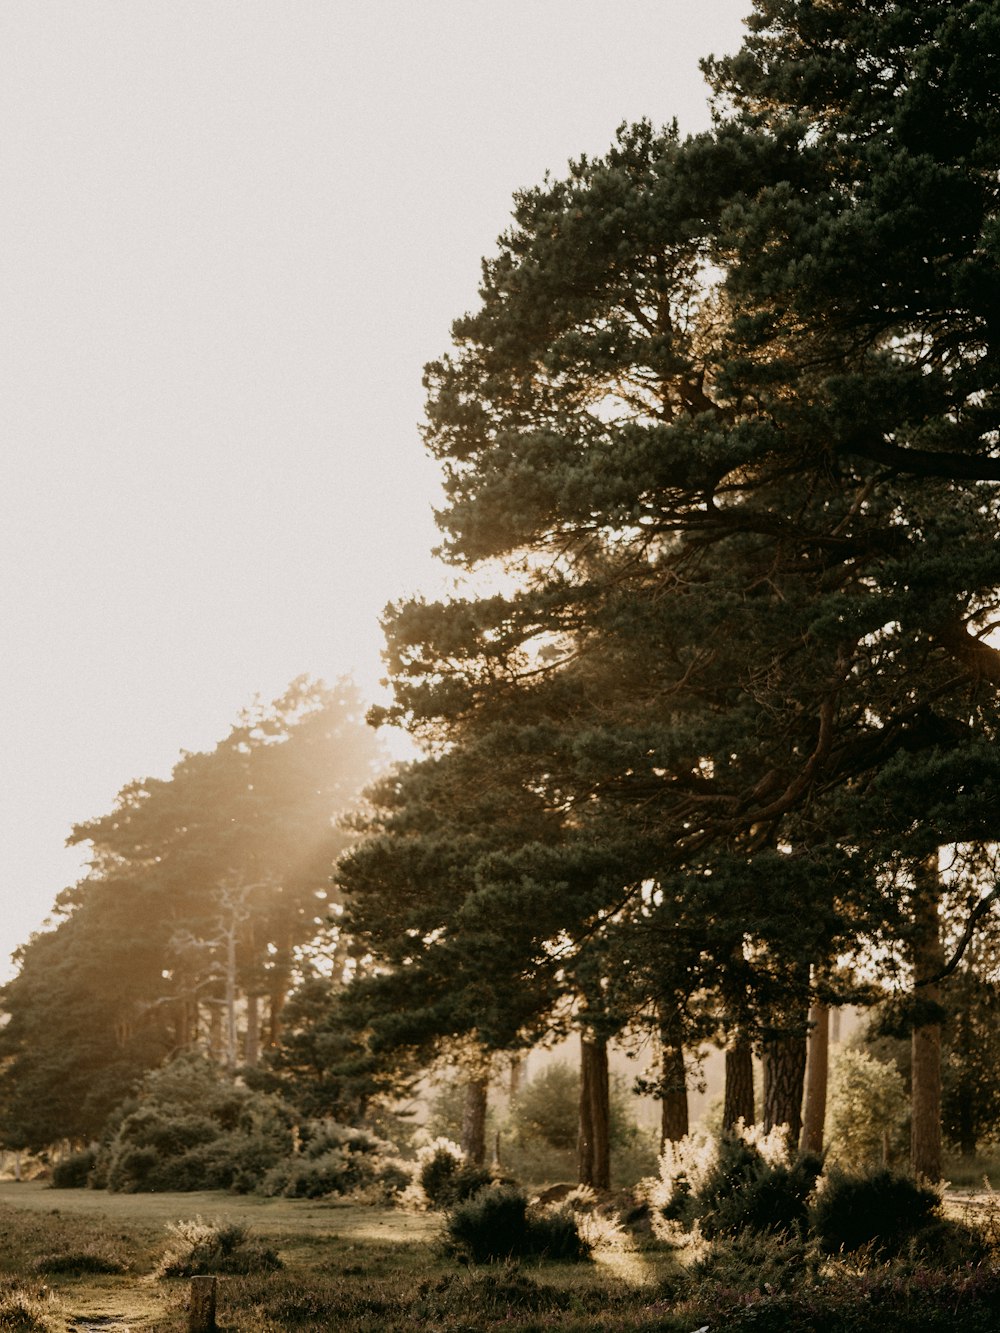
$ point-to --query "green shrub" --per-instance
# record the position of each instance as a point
(447, 1178)
(740, 1181)
(336, 1159)
(744, 1192)
(81, 1261)
(197, 1246)
(496, 1223)
(73, 1172)
(881, 1210)
(195, 1129)
(335, 1172)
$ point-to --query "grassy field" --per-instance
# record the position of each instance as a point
(359, 1269)
(344, 1265)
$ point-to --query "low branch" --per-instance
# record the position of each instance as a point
(976, 915)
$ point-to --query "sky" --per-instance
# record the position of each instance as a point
(231, 234)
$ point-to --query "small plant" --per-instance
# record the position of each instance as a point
(81, 1261)
(880, 1211)
(214, 1247)
(24, 1308)
(496, 1223)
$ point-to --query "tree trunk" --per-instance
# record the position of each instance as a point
(738, 1101)
(230, 1051)
(594, 1140)
(516, 1076)
(817, 1072)
(251, 1047)
(674, 1122)
(784, 1074)
(215, 1031)
(928, 959)
(474, 1120)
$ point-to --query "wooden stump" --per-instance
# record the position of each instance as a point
(201, 1318)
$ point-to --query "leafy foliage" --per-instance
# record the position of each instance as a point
(336, 1159)
(445, 1176)
(881, 1210)
(199, 888)
(866, 1110)
(496, 1223)
(194, 1129)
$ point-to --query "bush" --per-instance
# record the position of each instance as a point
(214, 1247)
(881, 1211)
(446, 1177)
(336, 1159)
(73, 1172)
(745, 1192)
(741, 1181)
(81, 1261)
(194, 1129)
(23, 1308)
(496, 1224)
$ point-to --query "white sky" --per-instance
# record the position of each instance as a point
(231, 234)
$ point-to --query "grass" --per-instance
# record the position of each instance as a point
(368, 1270)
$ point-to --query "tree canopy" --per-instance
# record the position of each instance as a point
(726, 421)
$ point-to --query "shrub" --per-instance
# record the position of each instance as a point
(335, 1172)
(73, 1172)
(81, 1261)
(881, 1211)
(446, 1177)
(197, 1246)
(743, 1191)
(740, 1181)
(336, 1159)
(495, 1223)
(23, 1308)
(194, 1129)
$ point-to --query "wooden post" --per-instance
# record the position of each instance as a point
(201, 1318)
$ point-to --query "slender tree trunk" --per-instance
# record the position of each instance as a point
(278, 991)
(738, 1101)
(674, 1122)
(215, 1031)
(474, 1120)
(231, 1051)
(516, 1076)
(817, 1073)
(784, 1074)
(594, 1140)
(251, 1047)
(928, 959)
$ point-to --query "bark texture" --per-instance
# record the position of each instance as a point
(738, 1101)
(474, 1119)
(784, 1063)
(251, 1046)
(594, 1139)
(928, 960)
(817, 1075)
(674, 1104)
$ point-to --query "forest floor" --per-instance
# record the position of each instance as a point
(359, 1269)
(382, 1252)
